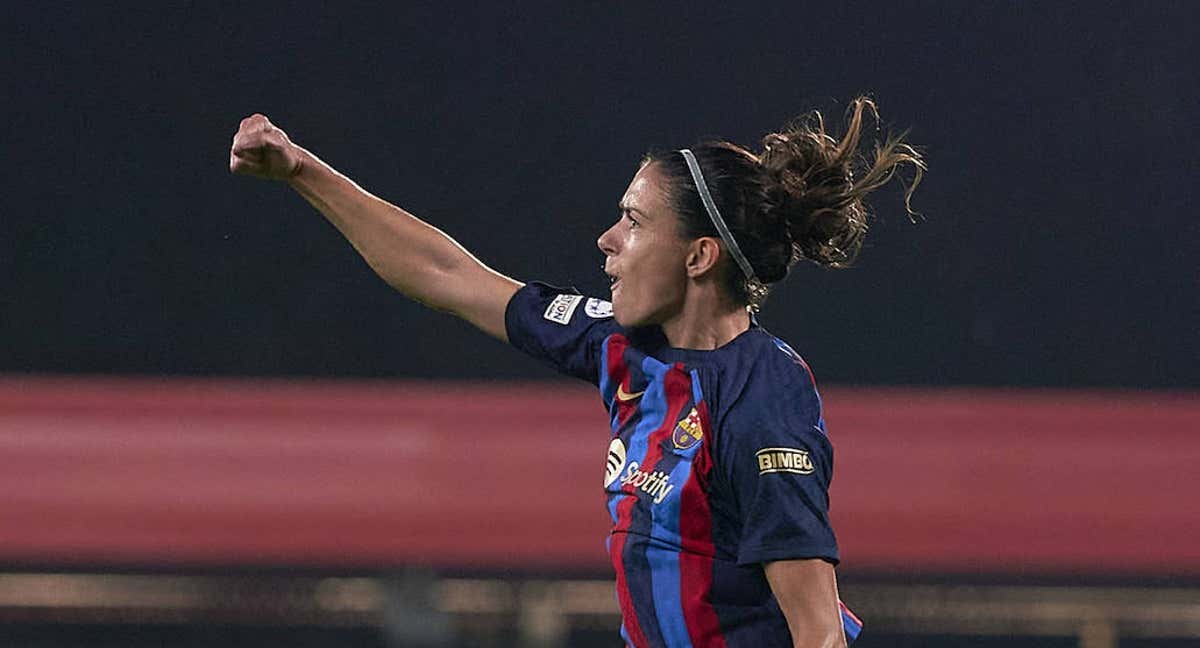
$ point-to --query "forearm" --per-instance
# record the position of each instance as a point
(811, 639)
(412, 256)
(807, 593)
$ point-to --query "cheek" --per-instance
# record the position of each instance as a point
(661, 285)
(668, 289)
(655, 278)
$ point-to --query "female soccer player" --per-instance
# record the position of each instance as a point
(718, 463)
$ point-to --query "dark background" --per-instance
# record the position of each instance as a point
(1058, 245)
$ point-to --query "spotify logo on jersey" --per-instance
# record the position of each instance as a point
(616, 461)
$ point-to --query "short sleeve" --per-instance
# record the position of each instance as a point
(560, 327)
(779, 466)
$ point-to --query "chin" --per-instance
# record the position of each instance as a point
(623, 316)
(631, 320)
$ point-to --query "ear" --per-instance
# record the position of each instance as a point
(702, 257)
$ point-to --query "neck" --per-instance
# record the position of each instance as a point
(703, 327)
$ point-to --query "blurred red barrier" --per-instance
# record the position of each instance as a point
(186, 472)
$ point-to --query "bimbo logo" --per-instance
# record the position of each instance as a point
(792, 460)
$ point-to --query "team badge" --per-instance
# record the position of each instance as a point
(689, 432)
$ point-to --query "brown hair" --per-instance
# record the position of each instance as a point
(801, 198)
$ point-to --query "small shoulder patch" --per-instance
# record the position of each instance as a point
(562, 308)
(597, 308)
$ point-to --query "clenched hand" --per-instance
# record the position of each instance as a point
(264, 151)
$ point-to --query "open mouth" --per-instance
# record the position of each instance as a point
(613, 281)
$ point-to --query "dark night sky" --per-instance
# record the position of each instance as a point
(1059, 243)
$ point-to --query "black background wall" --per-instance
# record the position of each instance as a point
(1059, 242)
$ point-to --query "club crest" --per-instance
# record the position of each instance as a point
(688, 432)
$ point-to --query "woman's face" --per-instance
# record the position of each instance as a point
(645, 254)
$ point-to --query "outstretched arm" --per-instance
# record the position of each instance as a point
(412, 256)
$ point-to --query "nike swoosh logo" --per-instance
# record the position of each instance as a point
(625, 396)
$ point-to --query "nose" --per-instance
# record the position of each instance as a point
(607, 242)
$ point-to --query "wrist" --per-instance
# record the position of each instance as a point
(302, 169)
(300, 164)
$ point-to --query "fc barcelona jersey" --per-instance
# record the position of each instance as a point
(717, 463)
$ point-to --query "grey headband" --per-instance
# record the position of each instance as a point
(717, 221)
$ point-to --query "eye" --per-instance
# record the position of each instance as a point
(632, 221)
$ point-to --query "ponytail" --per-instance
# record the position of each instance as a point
(801, 198)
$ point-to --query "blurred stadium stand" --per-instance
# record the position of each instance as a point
(424, 513)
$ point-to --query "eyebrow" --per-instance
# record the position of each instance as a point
(623, 207)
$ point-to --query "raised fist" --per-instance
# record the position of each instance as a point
(262, 150)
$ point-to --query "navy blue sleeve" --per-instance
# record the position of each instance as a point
(779, 464)
(560, 327)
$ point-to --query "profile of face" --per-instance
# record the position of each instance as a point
(645, 253)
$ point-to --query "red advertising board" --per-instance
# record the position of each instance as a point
(169, 473)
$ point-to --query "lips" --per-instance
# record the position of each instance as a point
(613, 280)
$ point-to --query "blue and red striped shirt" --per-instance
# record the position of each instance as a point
(718, 463)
